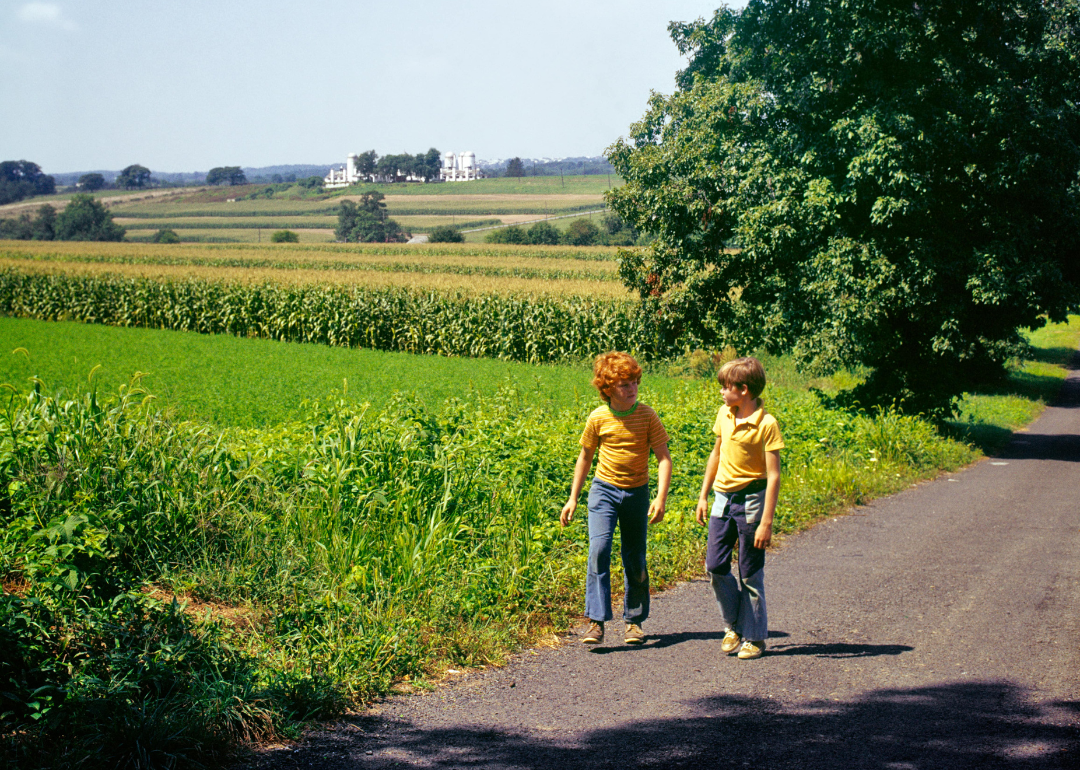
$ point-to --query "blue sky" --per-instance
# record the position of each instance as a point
(185, 86)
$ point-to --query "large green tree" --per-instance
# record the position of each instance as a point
(876, 182)
(368, 221)
(86, 219)
(22, 179)
(91, 182)
(515, 167)
(231, 175)
(133, 177)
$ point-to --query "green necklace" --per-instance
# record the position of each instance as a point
(627, 413)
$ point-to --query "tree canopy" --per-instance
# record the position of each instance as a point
(864, 182)
(515, 167)
(133, 177)
(22, 179)
(445, 234)
(368, 221)
(91, 182)
(231, 175)
(86, 219)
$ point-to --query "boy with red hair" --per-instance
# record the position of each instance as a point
(625, 431)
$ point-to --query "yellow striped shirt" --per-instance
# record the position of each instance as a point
(624, 443)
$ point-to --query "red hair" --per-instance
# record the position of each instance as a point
(610, 368)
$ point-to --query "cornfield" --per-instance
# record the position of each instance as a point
(528, 328)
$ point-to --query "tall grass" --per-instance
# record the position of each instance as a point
(316, 563)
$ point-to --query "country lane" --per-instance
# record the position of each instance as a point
(937, 628)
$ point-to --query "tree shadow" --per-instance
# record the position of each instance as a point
(1035, 446)
(957, 725)
(838, 650)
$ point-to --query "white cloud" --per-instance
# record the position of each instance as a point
(45, 13)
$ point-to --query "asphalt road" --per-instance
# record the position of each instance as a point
(937, 628)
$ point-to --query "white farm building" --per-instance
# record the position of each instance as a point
(459, 168)
(345, 176)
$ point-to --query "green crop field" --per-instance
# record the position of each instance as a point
(222, 234)
(284, 572)
(223, 379)
(207, 223)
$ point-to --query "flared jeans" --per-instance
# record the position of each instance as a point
(628, 509)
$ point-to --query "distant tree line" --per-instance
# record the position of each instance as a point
(612, 231)
(83, 219)
(21, 179)
(517, 167)
(424, 166)
(231, 175)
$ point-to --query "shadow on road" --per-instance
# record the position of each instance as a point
(1033, 446)
(839, 650)
(960, 725)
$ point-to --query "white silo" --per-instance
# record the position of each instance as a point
(350, 163)
(467, 160)
(448, 159)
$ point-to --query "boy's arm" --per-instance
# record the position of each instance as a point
(581, 470)
(706, 484)
(663, 462)
(763, 534)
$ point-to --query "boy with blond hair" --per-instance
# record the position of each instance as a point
(624, 430)
(744, 472)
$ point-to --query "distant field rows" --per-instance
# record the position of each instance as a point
(209, 223)
(548, 270)
(466, 252)
(316, 221)
(470, 283)
(239, 235)
(478, 270)
(449, 207)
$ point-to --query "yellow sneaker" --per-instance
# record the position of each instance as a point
(751, 650)
(730, 642)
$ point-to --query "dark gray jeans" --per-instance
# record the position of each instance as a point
(741, 597)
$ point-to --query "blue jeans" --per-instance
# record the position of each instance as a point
(610, 506)
(741, 598)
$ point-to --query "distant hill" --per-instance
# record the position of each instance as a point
(588, 165)
(595, 164)
(253, 174)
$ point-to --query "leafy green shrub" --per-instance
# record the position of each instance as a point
(544, 234)
(284, 236)
(445, 234)
(512, 234)
(165, 236)
(582, 232)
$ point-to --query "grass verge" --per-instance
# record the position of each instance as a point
(317, 562)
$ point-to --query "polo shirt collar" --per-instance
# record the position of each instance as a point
(754, 418)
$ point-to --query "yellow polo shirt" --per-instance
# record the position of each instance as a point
(743, 447)
(624, 444)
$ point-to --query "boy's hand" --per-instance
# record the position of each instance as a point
(656, 511)
(763, 535)
(702, 511)
(567, 514)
